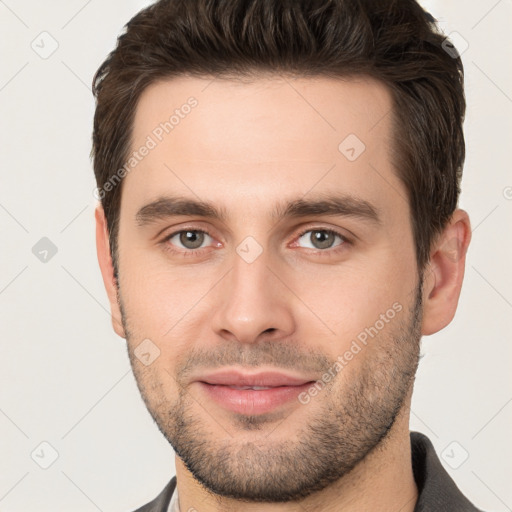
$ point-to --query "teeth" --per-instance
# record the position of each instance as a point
(255, 388)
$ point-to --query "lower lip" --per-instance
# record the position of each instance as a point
(248, 401)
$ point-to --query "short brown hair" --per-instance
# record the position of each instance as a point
(393, 41)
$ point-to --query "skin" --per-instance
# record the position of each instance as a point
(247, 147)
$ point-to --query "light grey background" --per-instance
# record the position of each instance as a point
(64, 375)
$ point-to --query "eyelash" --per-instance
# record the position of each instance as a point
(194, 252)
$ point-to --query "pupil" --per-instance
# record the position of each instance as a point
(191, 239)
(322, 239)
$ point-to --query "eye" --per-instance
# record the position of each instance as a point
(321, 238)
(189, 238)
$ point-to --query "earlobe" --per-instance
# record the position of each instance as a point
(107, 269)
(445, 273)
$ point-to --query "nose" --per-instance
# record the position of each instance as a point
(252, 303)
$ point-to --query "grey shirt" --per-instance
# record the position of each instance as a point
(437, 492)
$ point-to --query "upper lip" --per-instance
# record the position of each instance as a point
(267, 379)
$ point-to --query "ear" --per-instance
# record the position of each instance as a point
(444, 273)
(107, 269)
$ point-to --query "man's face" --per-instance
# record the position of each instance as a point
(269, 288)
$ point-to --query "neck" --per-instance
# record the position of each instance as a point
(381, 482)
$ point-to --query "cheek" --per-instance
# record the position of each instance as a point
(159, 301)
(164, 303)
(343, 301)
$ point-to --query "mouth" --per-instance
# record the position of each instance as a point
(259, 393)
(268, 379)
(254, 388)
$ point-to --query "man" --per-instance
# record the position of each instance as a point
(278, 228)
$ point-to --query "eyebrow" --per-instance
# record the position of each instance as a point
(327, 204)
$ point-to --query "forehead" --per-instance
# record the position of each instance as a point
(273, 135)
(266, 116)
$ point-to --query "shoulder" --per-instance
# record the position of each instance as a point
(436, 489)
